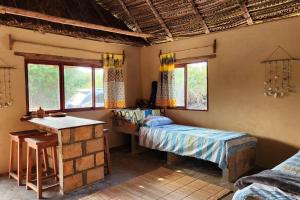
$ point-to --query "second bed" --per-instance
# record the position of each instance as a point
(233, 152)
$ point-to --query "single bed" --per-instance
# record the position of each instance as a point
(234, 152)
(265, 192)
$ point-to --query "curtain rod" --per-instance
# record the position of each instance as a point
(12, 41)
(214, 46)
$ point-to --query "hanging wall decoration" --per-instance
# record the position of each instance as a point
(6, 99)
(278, 73)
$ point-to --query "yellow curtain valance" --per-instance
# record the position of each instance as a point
(112, 60)
(167, 62)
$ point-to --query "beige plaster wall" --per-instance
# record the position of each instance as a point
(9, 117)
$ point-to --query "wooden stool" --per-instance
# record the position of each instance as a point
(107, 162)
(18, 138)
(40, 144)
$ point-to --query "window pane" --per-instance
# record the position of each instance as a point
(43, 87)
(179, 87)
(78, 87)
(99, 87)
(197, 86)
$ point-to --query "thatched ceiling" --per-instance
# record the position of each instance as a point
(166, 20)
(186, 18)
(82, 10)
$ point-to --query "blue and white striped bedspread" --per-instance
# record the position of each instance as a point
(207, 144)
(265, 192)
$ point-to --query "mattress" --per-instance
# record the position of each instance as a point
(265, 192)
(202, 143)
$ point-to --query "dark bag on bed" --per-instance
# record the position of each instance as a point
(283, 181)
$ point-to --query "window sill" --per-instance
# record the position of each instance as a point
(186, 109)
(73, 110)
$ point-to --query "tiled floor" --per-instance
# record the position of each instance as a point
(125, 167)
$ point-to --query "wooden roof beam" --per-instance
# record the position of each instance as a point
(124, 7)
(196, 11)
(65, 21)
(160, 20)
(246, 13)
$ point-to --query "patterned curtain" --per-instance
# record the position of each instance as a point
(114, 86)
(166, 83)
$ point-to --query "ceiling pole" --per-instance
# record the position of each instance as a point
(245, 11)
(130, 16)
(205, 27)
(136, 25)
(159, 19)
(65, 21)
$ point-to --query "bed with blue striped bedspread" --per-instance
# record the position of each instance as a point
(202, 143)
(290, 166)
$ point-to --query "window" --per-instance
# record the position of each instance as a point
(78, 87)
(191, 86)
(42, 76)
(63, 87)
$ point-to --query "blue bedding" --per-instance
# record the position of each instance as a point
(207, 144)
(290, 166)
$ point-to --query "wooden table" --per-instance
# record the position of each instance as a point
(80, 152)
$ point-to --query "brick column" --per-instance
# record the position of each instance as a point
(81, 156)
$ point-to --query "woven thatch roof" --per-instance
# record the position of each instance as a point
(166, 20)
(82, 10)
(185, 18)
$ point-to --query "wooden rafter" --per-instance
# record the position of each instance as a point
(246, 13)
(60, 20)
(205, 27)
(159, 19)
(124, 7)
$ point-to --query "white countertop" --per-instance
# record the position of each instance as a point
(64, 122)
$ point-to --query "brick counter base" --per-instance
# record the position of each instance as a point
(81, 156)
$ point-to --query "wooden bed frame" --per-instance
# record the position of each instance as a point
(125, 127)
(238, 164)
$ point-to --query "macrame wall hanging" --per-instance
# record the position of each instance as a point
(278, 73)
(6, 99)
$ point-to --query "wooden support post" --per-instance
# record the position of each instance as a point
(65, 21)
(124, 7)
(215, 46)
(246, 13)
(160, 20)
(196, 11)
(10, 42)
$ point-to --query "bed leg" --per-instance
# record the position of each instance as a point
(173, 158)
(239, 164)
(134, 144)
